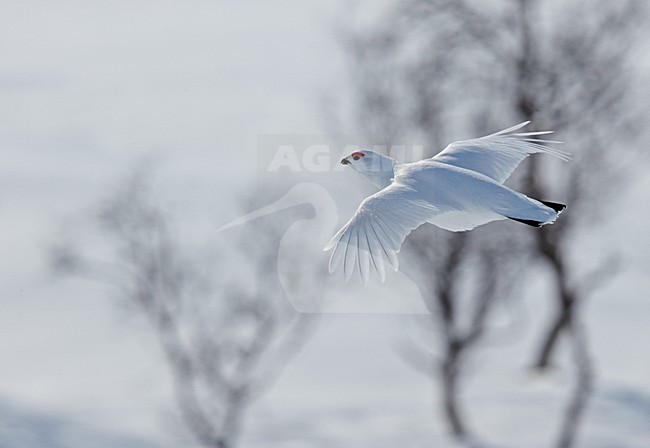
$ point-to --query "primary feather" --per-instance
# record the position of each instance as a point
(497, 155)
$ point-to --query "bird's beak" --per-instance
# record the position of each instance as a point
(345, 161)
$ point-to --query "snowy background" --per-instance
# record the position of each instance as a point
(87, 89)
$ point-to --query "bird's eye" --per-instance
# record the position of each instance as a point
(355, 157)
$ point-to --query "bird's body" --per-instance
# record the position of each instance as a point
(473, 198)
(457, 190)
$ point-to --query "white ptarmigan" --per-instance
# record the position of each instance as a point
(458, 189)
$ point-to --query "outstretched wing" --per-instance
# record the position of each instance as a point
(377, 231)
(497, 155)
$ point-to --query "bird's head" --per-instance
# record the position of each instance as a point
(378, 168)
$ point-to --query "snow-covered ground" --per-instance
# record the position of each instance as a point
(86, 89)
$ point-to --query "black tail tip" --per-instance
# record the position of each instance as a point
(554, 205)
(528, 222)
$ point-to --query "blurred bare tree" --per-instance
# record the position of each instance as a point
(225, 332)
(437, 70)
(462, 277)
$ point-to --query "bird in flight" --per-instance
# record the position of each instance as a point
(458, 189)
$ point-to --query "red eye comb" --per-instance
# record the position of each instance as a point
(360, 154)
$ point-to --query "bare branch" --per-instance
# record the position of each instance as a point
(224, 342)
(434, 67)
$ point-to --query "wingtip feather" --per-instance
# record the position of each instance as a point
(510, 129)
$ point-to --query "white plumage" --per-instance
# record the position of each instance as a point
(458, 189)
